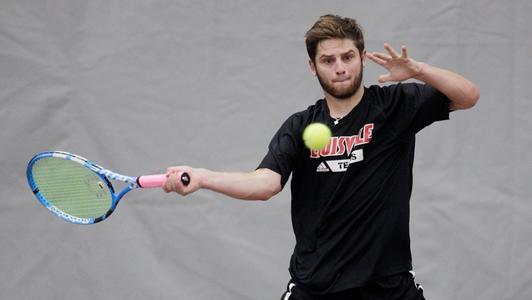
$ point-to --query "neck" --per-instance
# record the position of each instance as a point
(338, 108)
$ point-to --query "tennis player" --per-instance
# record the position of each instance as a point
(350, 201)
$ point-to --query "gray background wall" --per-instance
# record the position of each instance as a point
(141, 85)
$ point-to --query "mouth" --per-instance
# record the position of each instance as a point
(340, 80)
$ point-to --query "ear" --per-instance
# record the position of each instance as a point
(363, 58)
(312, 67)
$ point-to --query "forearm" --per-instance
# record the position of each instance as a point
(461, 92)
(260, 184)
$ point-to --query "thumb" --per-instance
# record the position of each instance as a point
(385, 78)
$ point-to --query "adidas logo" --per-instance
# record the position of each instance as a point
(322, 168)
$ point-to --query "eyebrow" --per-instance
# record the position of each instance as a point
(342, 54)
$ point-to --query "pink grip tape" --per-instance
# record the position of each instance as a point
(152, 181)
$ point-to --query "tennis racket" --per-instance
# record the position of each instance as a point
(80, 191)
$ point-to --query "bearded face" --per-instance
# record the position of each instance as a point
(339, 67)
(343, 88)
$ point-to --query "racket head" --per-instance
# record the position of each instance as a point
(70, 187)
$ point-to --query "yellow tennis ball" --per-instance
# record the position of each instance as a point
(316, 136)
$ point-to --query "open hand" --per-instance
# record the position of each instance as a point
(400, 67)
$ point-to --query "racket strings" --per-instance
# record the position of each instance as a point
(72, 188)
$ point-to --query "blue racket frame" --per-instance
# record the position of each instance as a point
(104, 174)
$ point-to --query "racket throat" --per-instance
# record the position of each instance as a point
(131, 181)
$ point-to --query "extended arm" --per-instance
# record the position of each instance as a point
(462, 92)
(261, 184)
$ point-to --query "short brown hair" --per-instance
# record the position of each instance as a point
(333, 27)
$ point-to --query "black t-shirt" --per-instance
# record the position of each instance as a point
(350, 201)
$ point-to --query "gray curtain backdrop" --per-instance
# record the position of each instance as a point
(138, 86)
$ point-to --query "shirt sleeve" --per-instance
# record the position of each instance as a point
(283, 149)
(414, 106)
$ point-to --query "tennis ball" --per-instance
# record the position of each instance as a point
(316, 136)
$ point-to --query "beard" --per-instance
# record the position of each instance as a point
(341, 93)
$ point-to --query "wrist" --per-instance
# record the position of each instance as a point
(420, 71)
(200, 176)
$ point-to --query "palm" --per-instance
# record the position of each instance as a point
(400, 67)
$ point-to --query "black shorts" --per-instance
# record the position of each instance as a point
(397, 287)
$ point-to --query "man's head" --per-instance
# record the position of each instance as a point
(335, 46)
(333, 27)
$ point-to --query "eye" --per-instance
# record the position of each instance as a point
(348, 58)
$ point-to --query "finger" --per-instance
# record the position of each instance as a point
(167, 186)
(391, 50)
(171, 183)
(171, 170)
(176, 182)
(376, 60)
(177, 186)
(404, 52)
(382, 56)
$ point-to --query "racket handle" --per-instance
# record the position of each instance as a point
(155, 181)
(151, 181)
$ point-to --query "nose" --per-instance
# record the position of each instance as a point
(340, 68)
